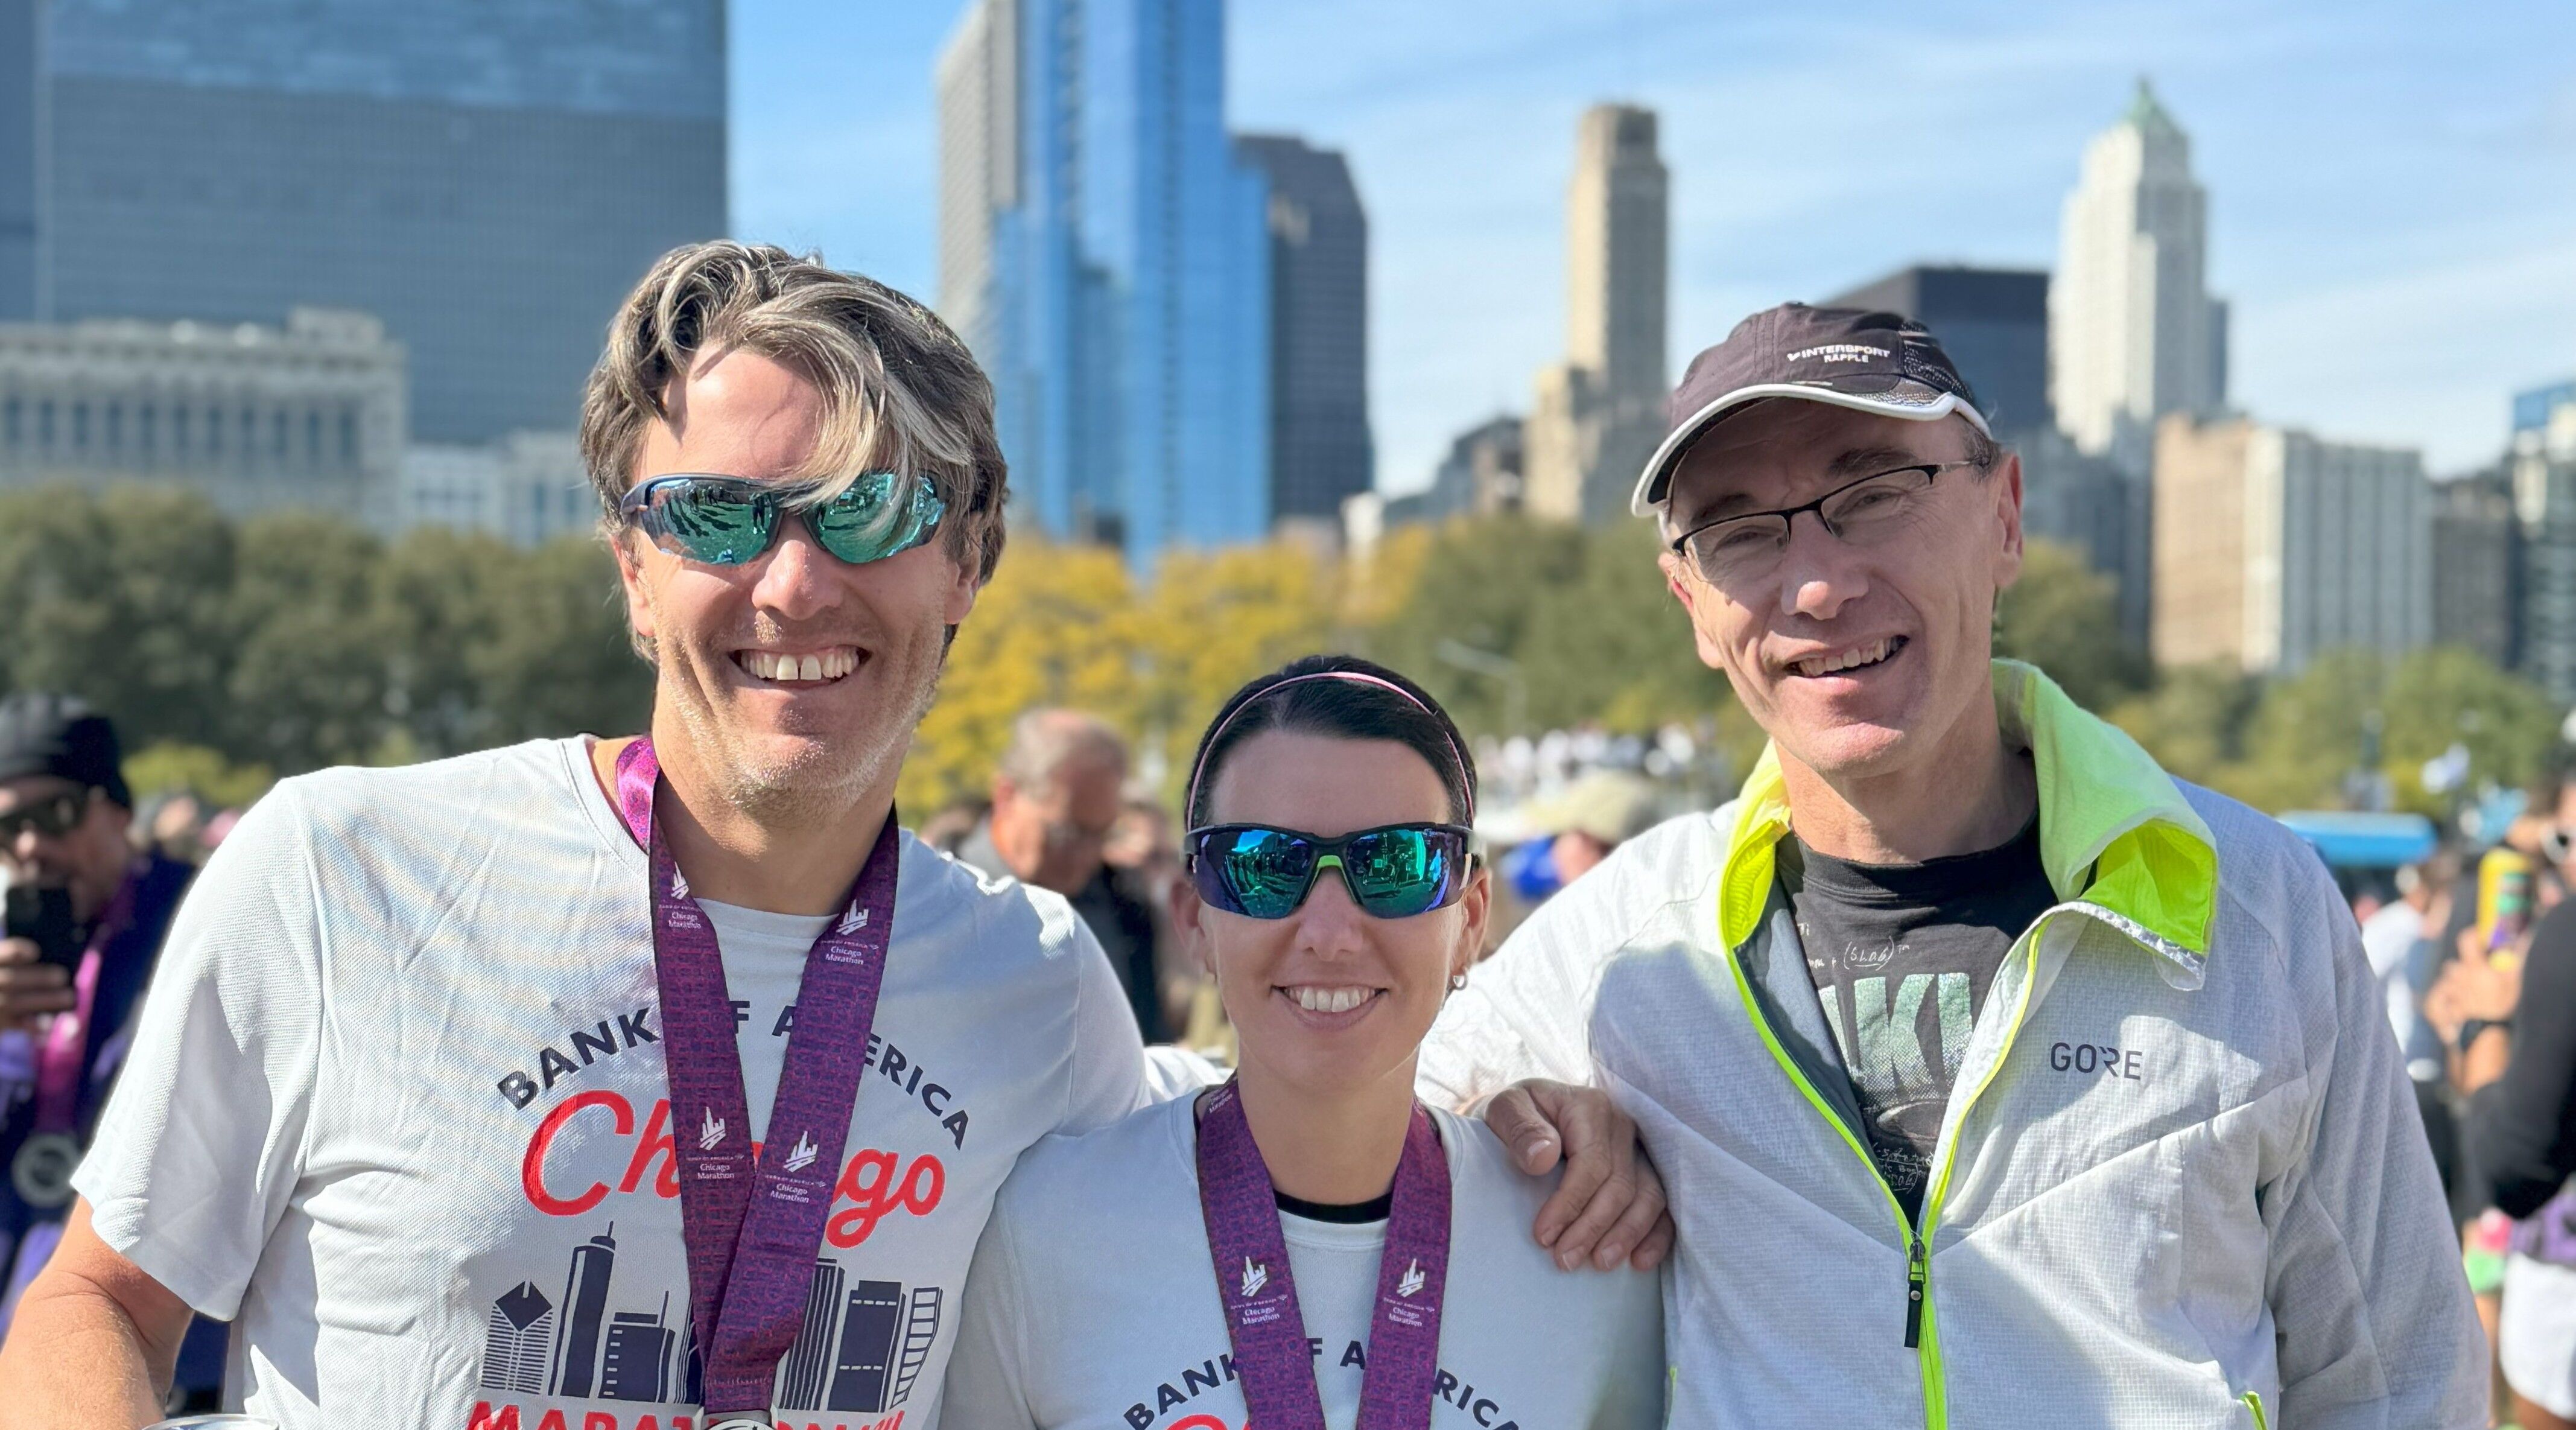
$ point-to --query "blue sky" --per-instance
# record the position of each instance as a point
(2392, 186)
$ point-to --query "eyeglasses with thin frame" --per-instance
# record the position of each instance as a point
(51, 817)
(1748, 546)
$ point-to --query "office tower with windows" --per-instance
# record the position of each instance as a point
(256, 418)
(2273, 547)
(22, 111)
(1320, 448)
(489, 180)
(1107, 252)
(2133, 333)
(1600, 412)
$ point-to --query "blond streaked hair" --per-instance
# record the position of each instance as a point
(900, 391)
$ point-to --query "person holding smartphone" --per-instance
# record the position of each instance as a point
(1307, 1245)
(85, 920)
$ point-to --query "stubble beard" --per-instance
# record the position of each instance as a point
(823, 778)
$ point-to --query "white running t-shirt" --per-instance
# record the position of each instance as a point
(1093, 1304)
(397, 1104)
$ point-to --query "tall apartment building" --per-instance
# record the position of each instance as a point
(2273, 547)
(2543, 460)
(22, 110)
(1600, 412)
(1993, 322)
(2477, 560)
(490, 180)
(1108, 251)
(1321, 451)
(2133, 333)
(309, 415)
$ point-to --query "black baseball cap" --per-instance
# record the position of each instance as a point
(1849, 357)
(57, 735)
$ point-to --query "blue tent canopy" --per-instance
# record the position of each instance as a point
(2364, 841)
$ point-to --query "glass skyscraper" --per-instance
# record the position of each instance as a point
(487, 176)
(1107, 255)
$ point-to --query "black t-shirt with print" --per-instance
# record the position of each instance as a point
(1902, 955)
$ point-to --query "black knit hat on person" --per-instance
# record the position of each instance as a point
(47, 734)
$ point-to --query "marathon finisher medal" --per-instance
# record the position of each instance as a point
(751, 1226)
(1262, 1318)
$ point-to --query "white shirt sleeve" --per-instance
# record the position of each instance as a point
(986, 1388)
(201, 1143)
(1107, 1078)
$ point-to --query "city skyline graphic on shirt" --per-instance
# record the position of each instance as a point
(862, 1347)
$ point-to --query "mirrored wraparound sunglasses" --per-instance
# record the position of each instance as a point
(727, 521)
(1393, 872)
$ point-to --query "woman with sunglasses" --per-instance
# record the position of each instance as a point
(1306, 1246)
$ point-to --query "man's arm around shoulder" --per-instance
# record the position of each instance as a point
(93, 1341)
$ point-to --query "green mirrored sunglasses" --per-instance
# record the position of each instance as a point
(727, 521)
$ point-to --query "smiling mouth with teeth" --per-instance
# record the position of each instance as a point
(1329, 1000)
(1857, 658)
(819, 668)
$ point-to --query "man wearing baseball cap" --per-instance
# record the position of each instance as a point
(1997, 1076)
(86, 920)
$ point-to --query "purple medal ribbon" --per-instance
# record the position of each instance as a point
(58, 1063)
(1262, 1319)
(752, 1230)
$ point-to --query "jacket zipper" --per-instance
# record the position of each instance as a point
(1918, 1270)
(1922, 1328)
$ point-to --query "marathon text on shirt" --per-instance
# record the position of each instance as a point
(488, 1416)
(1177, 1392)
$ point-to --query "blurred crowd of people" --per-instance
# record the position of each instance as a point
(2476, 955)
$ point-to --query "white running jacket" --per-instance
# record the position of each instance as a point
(2181, 1183)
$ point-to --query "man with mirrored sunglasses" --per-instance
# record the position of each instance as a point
(2001, 1078)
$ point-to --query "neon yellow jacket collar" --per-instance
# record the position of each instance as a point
(2114, 830)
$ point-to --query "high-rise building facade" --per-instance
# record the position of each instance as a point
(2133, 334)
(1121, 292)
(2273, 547)
(2543, 460)
(1992, 321)
(488, 178)
(2477, 561)
(1320, 447)
(22, 113)
(309, 415)
(1600, 412)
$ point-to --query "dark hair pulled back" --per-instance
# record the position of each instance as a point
(1298, 698)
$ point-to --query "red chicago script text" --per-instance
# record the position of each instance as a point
(874, 1184)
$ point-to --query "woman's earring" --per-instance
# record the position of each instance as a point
(1457, 981)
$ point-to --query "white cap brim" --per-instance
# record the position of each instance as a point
(1886, 404)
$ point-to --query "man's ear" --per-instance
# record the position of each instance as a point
(1687, 588)
(963, 588)
(2008, 496)
(630, 578)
